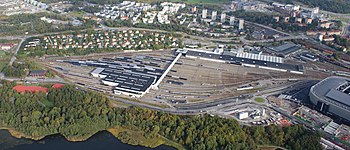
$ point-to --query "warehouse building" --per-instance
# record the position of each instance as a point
(284, 50)
(270, 64)
(332, 96)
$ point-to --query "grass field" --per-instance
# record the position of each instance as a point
(260, 100)
(77, 13)
(47, 103)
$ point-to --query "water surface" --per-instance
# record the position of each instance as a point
(101, 141)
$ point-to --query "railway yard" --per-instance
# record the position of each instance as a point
(179, 59)
(254, 92)
(191, 85)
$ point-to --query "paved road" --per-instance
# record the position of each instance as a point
(34, 80)
(16, 51)
(169, 110)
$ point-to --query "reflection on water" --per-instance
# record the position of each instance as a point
(100, 141)
(7, 141)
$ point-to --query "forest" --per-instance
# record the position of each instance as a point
(31, 23)
(21, 69)
(76, 113)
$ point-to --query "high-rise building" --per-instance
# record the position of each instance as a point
(213, 15)
(194, 9)
(316, 10)
(241, 24)
(232, 20)
(223, 17)
(204, 13)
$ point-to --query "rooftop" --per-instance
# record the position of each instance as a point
(128, 80)
(126, 74)
(334, 88)
(285, 49)
(237, 60)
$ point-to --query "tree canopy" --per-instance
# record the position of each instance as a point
(77, 113)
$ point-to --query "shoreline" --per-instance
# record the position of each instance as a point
(112, 131)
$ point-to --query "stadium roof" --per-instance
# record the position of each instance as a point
(327, 88)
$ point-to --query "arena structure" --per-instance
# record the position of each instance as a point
(332, 96)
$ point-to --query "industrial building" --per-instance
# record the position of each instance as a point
(284, 50)
(133, 77)
(248, 60)
(37, 73)
(332, 96)
(309, 57)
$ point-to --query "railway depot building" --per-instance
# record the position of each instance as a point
(133, 77)
(244, 59)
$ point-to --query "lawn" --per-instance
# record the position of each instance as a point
(77, 13)
(47, 103)
(260, 100)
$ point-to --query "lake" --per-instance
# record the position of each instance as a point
(101, 141)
